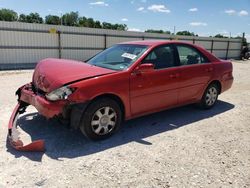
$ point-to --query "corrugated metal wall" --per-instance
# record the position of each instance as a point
(22, 45)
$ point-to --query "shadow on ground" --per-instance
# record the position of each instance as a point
(61, 142)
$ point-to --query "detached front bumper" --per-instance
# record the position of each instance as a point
(26, 97)
(13, 134)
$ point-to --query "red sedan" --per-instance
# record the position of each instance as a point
(124, 81)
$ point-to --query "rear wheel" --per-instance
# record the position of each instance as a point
(210, 96)
(247, 56)
(101, 119)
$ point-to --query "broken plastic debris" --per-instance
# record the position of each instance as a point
(13, 135)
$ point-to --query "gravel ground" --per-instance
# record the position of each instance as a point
(183, 147)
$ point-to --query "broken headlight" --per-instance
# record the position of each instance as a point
(60, 94)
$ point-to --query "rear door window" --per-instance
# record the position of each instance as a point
(189, 55)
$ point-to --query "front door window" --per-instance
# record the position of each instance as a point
(162, 57)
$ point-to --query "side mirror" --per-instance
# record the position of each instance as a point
(147, 67)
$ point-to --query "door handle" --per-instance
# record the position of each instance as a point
(177, 75)
(210, 69)
(171, 76)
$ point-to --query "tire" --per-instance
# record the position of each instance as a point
(101, 119)
(247, 55)
(209, 97)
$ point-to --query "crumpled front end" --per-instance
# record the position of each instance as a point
(27, 95)
(35, 97)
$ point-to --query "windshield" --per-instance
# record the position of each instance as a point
(118, 57)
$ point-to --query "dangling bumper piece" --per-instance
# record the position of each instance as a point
(13, 134)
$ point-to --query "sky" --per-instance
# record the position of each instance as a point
(203, 17)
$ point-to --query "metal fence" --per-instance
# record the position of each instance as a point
(22, 45)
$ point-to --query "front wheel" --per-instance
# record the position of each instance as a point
(101, 119)
(210, 96)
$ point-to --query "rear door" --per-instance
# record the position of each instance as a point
(158, 89)
(196, 71)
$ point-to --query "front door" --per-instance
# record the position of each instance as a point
(158, 89)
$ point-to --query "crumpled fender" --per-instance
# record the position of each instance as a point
(13, 134)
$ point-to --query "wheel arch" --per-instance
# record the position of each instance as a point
(113, 97)
(218, 83)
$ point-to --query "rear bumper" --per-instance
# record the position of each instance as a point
(44, 107)
(227, 84)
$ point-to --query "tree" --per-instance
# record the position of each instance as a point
(90, 23)
(186, 33)
(8, 15)
(121, 27)
(106, 25)
(98, 24)
(70, 19)
(157, 31)
(220, 36)
(53, 19)
(82, 22)
(31, 18)
(22, 18)
(34, 18)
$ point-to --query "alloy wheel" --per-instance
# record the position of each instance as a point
(104, 120)
(211, 96)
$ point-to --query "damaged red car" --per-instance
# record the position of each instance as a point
(122, 82)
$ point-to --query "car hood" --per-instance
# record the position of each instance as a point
(51, 74)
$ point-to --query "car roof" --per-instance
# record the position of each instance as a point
(155, 42)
